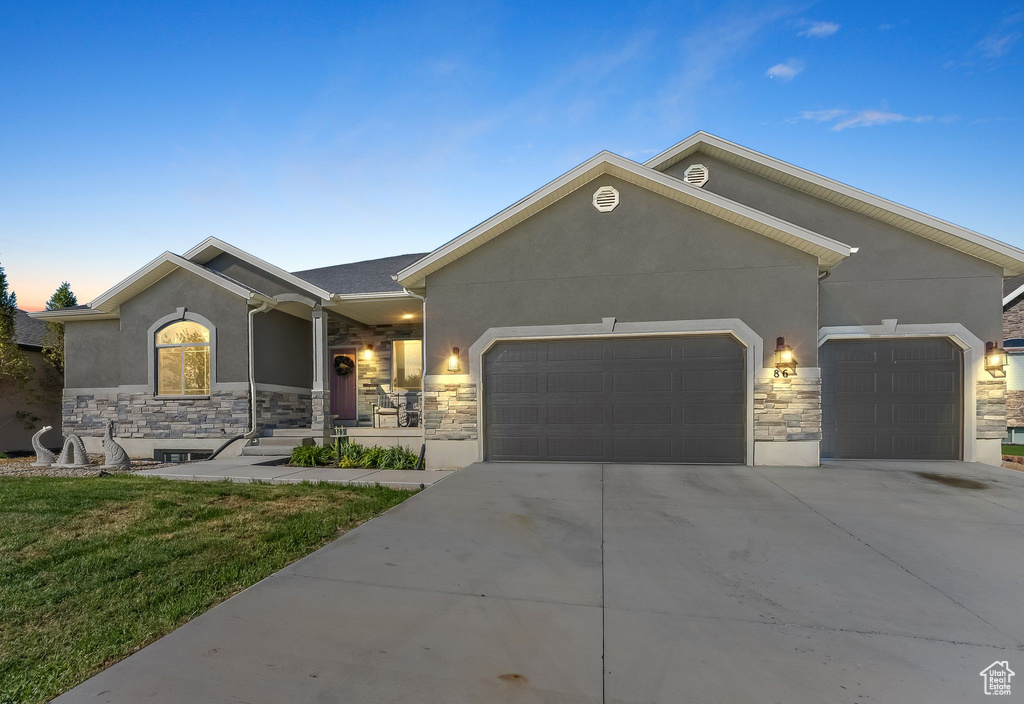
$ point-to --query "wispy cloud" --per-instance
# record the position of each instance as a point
(819, 29)
(786, 71)
(843, 119)
(1001, 40)
(871, 118)
(823, 115)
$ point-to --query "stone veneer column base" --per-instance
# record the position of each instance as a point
(787, 420)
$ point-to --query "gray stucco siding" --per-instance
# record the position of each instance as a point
(109, 353)
(246, 273)
(283, 349)
(895, 273)
(92, 354)
(649, 259)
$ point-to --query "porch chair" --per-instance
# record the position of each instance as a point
(387, 405)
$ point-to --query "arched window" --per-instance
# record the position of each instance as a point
(183, 359)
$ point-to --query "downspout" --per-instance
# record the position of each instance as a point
(252, 370)
(251, 433)
(423, 363)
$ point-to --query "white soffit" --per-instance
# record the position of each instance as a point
(914, 221)
(828, 251)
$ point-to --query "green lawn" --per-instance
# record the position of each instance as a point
(91, 570)
(1013, 449)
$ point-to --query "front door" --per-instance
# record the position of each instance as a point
(343, 385)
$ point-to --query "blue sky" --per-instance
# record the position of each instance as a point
(316, 133)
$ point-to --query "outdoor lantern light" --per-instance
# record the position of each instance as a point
(453, 361)
(995, 359)
(368, 352)
(785, 362)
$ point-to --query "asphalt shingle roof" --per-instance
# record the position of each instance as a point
(371, 276)
(28, 331)
(1012, 284)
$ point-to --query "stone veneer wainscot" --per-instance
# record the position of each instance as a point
(450, 411)
(140, 415)
(787, 409)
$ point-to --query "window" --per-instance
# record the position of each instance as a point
(183, 360)
(1015, 371)
(407, 365)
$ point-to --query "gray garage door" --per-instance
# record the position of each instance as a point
(892, 399)
(669, 399)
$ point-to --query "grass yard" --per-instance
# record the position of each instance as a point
(91, 570)
(1015, 450)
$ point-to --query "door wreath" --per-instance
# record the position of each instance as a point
(343, 365)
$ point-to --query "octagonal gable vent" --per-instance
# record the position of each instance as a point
(606, 198)
(696, 175)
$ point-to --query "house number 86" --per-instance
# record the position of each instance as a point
(784, 373)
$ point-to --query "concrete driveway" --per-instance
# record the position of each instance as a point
(854, 582)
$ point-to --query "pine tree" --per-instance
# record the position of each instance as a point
(15, 368)
(53, 344)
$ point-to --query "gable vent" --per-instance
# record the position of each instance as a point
(606, 198)
(696, 175)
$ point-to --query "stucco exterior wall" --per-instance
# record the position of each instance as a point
(40, 401)
(283, 349)
(896, 274)
(649, 259)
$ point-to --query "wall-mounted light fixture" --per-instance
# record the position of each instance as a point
(785, 362)
(454, 364)
(368, 352)
(995, 360)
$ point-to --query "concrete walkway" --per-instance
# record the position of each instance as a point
(249, 469)
(855, 582)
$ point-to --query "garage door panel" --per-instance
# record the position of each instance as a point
(892, 399)
(621, 400)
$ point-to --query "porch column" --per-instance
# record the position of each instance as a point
(321, 391)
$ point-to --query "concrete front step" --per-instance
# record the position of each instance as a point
(285, 441)
(287, 433)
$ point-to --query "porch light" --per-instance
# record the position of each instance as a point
(785, 362)
(368, 352)
(995, 360)
(454, 364)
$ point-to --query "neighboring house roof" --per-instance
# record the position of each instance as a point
(211, 247)
(370, 276)
(959, 238)
(1013, 288)
(828, 251)
(107, 303)
(28, 332)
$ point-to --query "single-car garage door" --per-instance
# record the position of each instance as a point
(892, 399)
(666, 399)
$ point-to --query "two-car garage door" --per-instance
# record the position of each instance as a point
(667, 399)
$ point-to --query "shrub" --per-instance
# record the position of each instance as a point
(311, 456)
(3, 456)
(354, 455)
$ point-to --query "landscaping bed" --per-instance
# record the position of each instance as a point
(92, 570)
(352, 455)
(22, 467)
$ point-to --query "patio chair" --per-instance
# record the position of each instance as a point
(386, 405)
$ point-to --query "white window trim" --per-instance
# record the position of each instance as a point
(609, 327)
(973, 352)
(179, 315)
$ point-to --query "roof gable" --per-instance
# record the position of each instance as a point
(916, 222)
(828, 251)
(107, 303)
(370, 276)
(212, 246)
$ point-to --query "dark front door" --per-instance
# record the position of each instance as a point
(892, 399)
(343, 385)
(667, 399)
